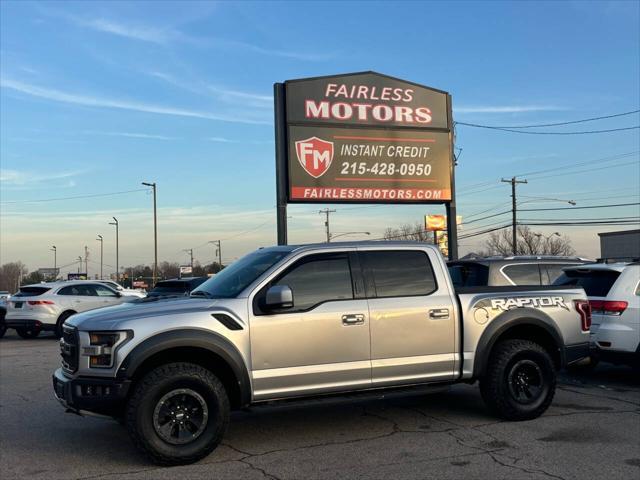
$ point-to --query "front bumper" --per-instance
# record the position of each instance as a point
(576, 352)
(102, 396)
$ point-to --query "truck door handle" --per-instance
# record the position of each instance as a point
(356, 319)
(439, 313)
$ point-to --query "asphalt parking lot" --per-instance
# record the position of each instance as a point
(592, 430)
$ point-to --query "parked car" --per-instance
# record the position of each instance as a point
(177, 287)
(129, 292)
(3, 312)
(614, 294)
(515, 270)
(297, 321)
(45, 306)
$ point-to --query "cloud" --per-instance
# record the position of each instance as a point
(129, 135)
(220, 139)
(200, 87)
(167, 35)
(20, 179)
(94, 101)
(145, 34)
(508, 109)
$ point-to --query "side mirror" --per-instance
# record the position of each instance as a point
(118, 294)
(279, 296)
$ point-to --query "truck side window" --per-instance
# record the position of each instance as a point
(523, 273)
(401, 273)
(318, 278)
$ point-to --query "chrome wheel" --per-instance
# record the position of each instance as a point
(180, 416)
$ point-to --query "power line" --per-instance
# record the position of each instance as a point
(577, 164)
(77, 196)
(586, 132)
(578, 208)
(592, 119)
(462, 237)
(483, 218)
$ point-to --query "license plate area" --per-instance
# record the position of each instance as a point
(17, 304)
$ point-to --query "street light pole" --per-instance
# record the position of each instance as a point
(55, 257)
(327, 212)
(190, 252)
(115, 222)
(218, 245)
(155, 231)
(101, 240)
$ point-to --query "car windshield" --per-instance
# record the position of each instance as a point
(229, 282)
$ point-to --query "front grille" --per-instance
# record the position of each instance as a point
(69, 349)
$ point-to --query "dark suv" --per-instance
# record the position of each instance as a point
(515, 270)
(177, 287)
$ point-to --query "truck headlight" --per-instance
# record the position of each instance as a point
(102, 348)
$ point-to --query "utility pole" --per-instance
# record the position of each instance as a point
(155, 232)
(218, 245)
(190, 252)
(115, 222)
(80, 264)
(327, 212)
(55, 257)
(86, 261)
(100, 239)
(514, 233)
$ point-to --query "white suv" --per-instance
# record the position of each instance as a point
(614, 294)
(127, 292)
(45, 306)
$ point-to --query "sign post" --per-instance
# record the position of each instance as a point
(363, 138)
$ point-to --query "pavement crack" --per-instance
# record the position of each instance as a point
(563, 388)
(492, 455)
(264, 473)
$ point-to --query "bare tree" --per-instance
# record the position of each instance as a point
(528, 243)
(11, 275)
(169, 269)
(407, 231)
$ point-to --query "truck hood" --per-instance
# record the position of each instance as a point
(108, 318)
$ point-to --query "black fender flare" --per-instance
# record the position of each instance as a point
(194, 338)
(513, 318)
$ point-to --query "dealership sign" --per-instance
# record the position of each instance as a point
(367, 137)
(363, 138)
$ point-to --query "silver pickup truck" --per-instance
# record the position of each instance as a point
(298, 321)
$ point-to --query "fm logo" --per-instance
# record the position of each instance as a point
(315, 155)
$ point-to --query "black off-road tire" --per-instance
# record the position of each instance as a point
(58, 330)
(500, 389)
(3, 328)
(28, 333)
(141, 416)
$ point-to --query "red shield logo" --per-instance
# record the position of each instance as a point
(315, 155)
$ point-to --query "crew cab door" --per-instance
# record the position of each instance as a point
(412, 317)
(322, 343)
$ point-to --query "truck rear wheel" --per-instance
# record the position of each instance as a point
(520, 380)
(178, 413)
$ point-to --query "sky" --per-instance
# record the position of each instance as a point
(96, 98)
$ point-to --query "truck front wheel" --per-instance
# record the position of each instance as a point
(178, 413)
(520, 380)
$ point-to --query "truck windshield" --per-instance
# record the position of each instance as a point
(232, 280)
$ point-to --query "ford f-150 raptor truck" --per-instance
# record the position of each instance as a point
(298, 321)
